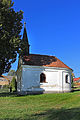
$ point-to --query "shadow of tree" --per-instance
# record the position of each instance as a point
(76, 90)
(15, 94)
(35, 59)
(53, 114)
(8, 94)
(61, 114)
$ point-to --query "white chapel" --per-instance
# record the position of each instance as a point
(41, 73)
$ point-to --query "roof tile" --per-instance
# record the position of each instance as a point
(44, 60)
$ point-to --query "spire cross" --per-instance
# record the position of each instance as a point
(25, 40)
(24, 24)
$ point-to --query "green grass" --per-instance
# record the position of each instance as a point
(62, 106)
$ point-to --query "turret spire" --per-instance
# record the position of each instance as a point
(25, 41)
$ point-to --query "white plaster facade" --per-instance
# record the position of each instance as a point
(29, 79)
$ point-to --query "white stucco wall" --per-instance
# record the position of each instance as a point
(19, 79)
(66, 86)
(55, 79)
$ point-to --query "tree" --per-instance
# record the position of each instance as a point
(10, 28)
(12, 73)
(72, 76)
(13, 85)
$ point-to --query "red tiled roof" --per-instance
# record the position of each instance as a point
(43, 60)
(76, 79)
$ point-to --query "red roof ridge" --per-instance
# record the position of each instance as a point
(41, 55)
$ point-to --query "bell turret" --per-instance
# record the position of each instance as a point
(25, 41)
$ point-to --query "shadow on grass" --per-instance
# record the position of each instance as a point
(8, 94)
(53, 114)
(61, 114)
(75, 90)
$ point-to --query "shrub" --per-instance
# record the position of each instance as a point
(6, 86)
(13, 84)
(72, 84)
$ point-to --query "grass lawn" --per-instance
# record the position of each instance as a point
(62, 106)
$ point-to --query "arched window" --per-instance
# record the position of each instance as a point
(66, 78)
(42, 78)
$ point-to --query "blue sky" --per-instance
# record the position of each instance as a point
(53, 28)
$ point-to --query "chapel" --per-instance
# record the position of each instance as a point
(41, 73)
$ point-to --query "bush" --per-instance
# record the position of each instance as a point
(72, 84)
(6, 86)
(13, 85)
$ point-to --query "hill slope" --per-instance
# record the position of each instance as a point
(41, 107)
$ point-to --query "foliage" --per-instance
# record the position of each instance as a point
(4, 89)
(10, 28)
(6, 86)
(61, 106)
(13, 85)
(12, 73)
(72, 83)
(73, 75)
